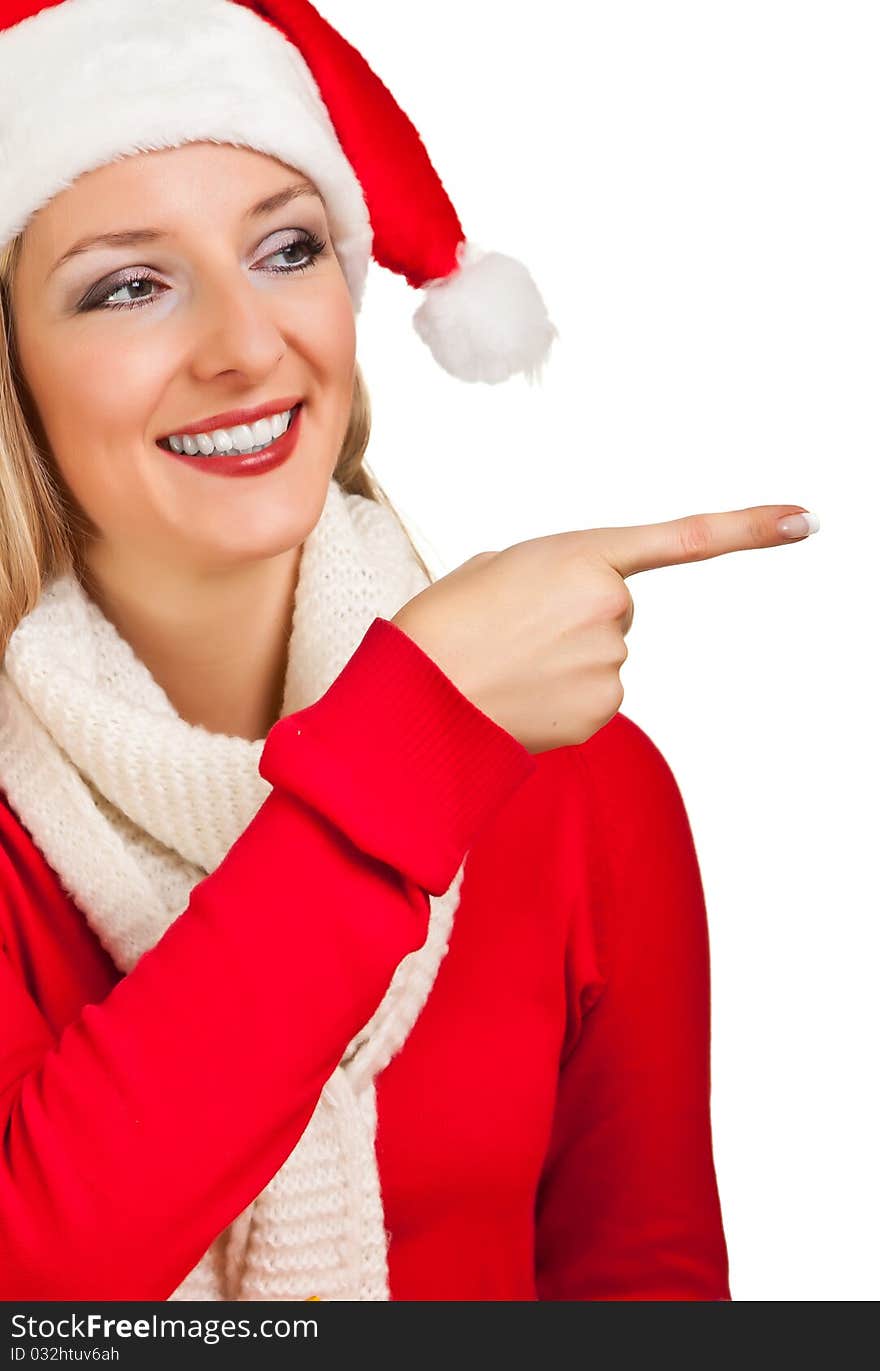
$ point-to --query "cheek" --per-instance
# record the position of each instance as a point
(332, 338)
(94, 401)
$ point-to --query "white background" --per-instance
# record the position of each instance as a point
(694, 187)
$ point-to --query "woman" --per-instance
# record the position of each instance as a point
(267, 815)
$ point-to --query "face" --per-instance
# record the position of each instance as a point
(122, 345)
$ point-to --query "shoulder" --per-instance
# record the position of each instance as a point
(628, 788)
(607, 792)
(624, 752)
(638, 804)
(619, 773)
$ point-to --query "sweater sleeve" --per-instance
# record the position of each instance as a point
(628, 1205)
(133, 1140)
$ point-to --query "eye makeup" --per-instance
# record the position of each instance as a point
(98, 296)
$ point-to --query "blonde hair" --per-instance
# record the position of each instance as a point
(42, 532)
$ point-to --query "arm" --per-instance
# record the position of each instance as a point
(161, 1112)
(628, 1206)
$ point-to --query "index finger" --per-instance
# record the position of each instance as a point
(642, 547)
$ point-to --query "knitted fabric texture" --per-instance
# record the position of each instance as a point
(132, 806)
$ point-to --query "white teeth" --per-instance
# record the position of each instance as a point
(239, 439)
(243, 435)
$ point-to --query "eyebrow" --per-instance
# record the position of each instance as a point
(126, 238)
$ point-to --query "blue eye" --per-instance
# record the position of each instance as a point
(314, 247)
(138, 278)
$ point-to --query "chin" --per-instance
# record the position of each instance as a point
(253, 519)
(225, 542)
(247, 551)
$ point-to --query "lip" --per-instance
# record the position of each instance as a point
(231, 417)
(248, 463)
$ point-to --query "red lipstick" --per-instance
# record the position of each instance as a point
(231, 417)
(247, 463)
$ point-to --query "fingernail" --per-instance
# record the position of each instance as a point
(796, 525)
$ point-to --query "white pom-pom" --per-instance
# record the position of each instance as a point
(487, 320)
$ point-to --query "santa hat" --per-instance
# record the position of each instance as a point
(86, 82)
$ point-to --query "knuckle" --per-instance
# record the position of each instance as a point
(622, 602)
(610, 602)
(613, 694)
(759, 534)
(617, 650)
(695, 537)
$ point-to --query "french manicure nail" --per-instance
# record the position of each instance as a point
(797, 525)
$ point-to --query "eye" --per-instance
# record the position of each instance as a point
(133, 280)
(312, 246)
(138, 278)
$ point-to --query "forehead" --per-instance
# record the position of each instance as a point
(174, 183)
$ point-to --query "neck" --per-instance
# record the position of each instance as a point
(217, 643)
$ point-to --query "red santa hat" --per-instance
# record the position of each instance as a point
(86, 82)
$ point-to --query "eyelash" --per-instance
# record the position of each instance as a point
(314, 245)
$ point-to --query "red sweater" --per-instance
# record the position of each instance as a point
(544, 1133)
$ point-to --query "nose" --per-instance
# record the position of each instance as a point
(236, 327)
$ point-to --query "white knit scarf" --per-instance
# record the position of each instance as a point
(132, 806)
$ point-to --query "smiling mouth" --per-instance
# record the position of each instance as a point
(238, 441)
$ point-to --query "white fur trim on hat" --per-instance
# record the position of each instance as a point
(63, 68)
